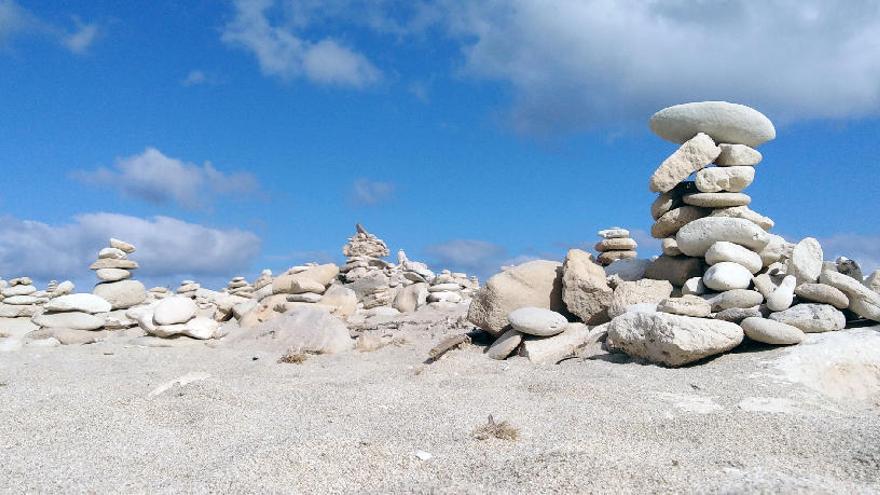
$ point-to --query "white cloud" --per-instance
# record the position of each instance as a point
(367, 192)
(80, 40)
(195, 78)
(14, 20)
(282, 53)
(153, 177)
(168, 249)
(864, 249)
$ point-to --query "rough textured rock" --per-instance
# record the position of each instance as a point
(744, 212)
(686, 306)
(717, 199)
(695, 238)
(736, 315)
(551, 350)
(313, 279)
(308, 328)
(782, 297)
(737, 298)
(585, 290)
(776, 249)
(675, 269)
(85, 303)
(806, 261)
(733, 155)
(539, 322)
(729, 179)
(694, 286)
(122, 294)
(728, 251)
(645, 291)
(724, 122)
(849, 267)
(536, 283)
(616, 243)
(812, 318)
(862, 300)
(671, 199)
(173, 310)
(727, 275)
(671, 340)
(696, 152)
(771, 332)
(609, 257)
(824, 294)
(873, 281)
(673, 220)
(411, 297)
(505, 345)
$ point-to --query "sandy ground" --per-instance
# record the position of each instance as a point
(109, 417)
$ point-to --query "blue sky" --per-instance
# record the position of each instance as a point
(226, 137)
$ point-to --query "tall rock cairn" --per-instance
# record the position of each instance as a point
(616, 244)
(113, 269)
(365, 272)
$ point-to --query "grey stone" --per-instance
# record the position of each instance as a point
(821, 293)
(585, 290)
(812, 318)
(505, 345)
(675, 269)
(539, 322)
(695, 153)
(771, 332)
(695, 238)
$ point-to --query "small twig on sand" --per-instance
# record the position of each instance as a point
(447, 345)
(502, 430)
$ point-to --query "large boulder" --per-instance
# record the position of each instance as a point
(724, 122)
(862, 300)
(693, 155)
(123, 294)
(536, 283)
(643, 292)
(695, 238)
(585, 288)
(671, 340)
(305, 329)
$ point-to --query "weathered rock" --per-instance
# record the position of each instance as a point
(670, 247)
(764, 284)
(776, 249)
(771, 332)
(609, 257)
(737, 298)
(411, 297)
(111, 263)
(122, 245)
(112, 274)
(744, 212)
(585, 290)
(671, 199)
(806, 261)
(111, 253)
(551, 350)
(312, 279)
(174, 310)
(697, 151)
(873, 281)
(729, 179)
(306, 297)
(122, 294)
(685, 306)
(309, 328)
(343, 301)
(812, 318)
(675, 269)
(862, 300)
(673, 220)
(536, 283)
(728, 251)
(85, 303)
(782, 297)
(695, 238)
(727, 275)
(539, 322)
(724, 122)
(616, 243)
(72, 319)
(733, 155)
(717, 199)
(671, 340)
(849, 268)
(694, 286)
(645, 291)
(821, 293)
(736, 315)
(505, 345)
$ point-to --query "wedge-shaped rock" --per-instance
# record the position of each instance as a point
(695, 238)
(551, 350)
(671, 340)
(724, 122)
(585, 290)
(673, 220)
(696, 153)
(735, 155)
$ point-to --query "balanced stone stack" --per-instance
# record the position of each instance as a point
(365, 272)
(616, 244)
(188, 288)
(239, 286)
(113, 269)
(83, 311)
(19, 299)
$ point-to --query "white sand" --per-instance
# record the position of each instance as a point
(96, 418)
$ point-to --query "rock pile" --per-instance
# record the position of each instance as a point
(113, 269)
(20, 298)
(616, 244)
(176, 315)
(365, 272)
(239, 286)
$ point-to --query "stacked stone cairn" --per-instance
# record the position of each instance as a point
(239, 286)
(174, 316)
(113, 269)
(188, 288)
(722, 277)
(365, 272)
(616, 244)
(20, 298)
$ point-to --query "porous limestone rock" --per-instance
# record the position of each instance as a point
(771, 332)
(812, 318)
(729, 179)
(734, 155)
(673, 220)
(539, 322)
(824, 294)
(724, 122)
(744, 212)
(695, 238)
(585, 290)
(728, 251)
(671, 340)
(727, 275)
(645, 291)
(695, 153)
(686, 306)
(535, 283)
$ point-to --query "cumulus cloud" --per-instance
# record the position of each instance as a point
(367, 192)
(864, 249)
(167, 248)
(153, 177)
(283, 53)
(18, 21)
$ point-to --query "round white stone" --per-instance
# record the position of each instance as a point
(537, 321)
(727, 275)
(174, 310)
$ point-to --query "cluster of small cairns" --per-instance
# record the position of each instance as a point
(722, 278)
(616, 244)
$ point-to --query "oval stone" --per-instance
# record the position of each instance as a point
(537, 321)
(724, 122)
